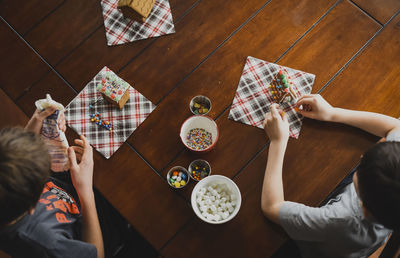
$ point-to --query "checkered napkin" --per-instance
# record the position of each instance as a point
(120, 30)
(125, 121)
(253, 97)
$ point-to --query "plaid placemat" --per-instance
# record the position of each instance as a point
(125, 120)
(253, 97)
(120, 30)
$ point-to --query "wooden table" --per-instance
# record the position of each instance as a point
(57, 46)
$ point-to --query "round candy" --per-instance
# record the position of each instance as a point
(183, 183)
(175, 173)
(177, 184)
(184, 177)
(178, 179)
(174, 177)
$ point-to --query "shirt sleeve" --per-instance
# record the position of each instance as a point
(393, 136)
(304, 223)
(69, 248)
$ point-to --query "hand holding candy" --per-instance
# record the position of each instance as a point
(276, 124)
(315, 106)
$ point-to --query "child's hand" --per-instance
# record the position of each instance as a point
(276, 124)
(82, 173)
(36, 122)
(315, 106)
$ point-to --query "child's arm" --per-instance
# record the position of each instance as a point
(82, 179)
(316, 107)
(277, 128)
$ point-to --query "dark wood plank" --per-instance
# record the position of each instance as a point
(90, 57)
(23, 15)
(51, 84)
(141, 196)
(21, 68)
(374, 75)
(219, 83)
(11, 115)
(199, 33)
(380, 10)
(65, 28)
(249, 234)
(345, 30)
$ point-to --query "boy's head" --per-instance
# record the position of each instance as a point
(24, 168)
(378, 183)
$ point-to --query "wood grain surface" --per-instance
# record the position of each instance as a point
(380, 10)
(351, 46)
(24, 15)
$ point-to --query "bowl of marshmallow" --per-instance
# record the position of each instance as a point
(216, 199)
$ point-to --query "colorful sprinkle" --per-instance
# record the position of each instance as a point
(96, 118)
(199, 139)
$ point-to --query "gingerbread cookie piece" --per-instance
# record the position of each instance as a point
(282, 88)
(137, 10)
(114, 90)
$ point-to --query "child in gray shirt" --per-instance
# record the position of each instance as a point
(348, 225)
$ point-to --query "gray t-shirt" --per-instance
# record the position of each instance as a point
(338, 229)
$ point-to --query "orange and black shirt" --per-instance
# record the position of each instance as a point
(53, 230)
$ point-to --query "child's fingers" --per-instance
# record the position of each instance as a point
(274, 111)
(72, 157)
(77, 149)
(87, 153)
(284, 117)
(306, 96)
(47, 112)
(79, 142)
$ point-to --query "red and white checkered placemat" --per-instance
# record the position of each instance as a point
(253, 97)
(125, 120)
(120, 30)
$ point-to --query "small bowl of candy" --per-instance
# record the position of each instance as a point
(199, 133)
(178, 177)
(216, 199)
(199, 169)
(200, 105)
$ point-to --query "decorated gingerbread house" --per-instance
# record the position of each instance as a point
(282, 88)
(137, 10)
(114, 90)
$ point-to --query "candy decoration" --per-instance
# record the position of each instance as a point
(200, 108)
(199, 172)
(281, 88)
(178, 179)
(96, 118)
(198, 139)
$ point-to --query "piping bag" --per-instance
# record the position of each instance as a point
(53, 137)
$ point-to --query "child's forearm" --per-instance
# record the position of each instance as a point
(272, 192)
(91, 231)
(374, 123)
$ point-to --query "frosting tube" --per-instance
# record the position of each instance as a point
(52, 135)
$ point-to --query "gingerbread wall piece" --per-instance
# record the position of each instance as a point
(114, 89)
(282, 88)
(137, 10)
